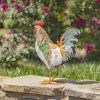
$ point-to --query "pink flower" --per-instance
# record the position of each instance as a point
(98, 1)
(45, 9)
(94, 19)
(88, 24)
(79, 21)
(1, 1)
(98, 22)
(89, 47)
(4, 7)
(19, 7)
(26, 2)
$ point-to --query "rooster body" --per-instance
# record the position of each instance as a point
(52, 54)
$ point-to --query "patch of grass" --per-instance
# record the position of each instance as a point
(74, 70)
(2, 32)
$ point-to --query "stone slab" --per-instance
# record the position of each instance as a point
(30, 88)
(32, 84)
(89, 91)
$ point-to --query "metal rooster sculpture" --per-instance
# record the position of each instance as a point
(53, 55)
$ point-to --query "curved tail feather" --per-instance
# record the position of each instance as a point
(68, 41)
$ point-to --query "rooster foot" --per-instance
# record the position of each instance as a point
(47, 82)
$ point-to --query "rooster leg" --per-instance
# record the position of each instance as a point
(55, 74)
(59, 81)
(50, 80)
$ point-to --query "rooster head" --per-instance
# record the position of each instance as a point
(38, 25)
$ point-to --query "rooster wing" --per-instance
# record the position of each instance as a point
(67, 43)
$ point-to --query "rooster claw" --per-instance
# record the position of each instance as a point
(46, 82)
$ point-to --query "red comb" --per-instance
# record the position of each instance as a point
(40, 23)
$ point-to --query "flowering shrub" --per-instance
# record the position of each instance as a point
(79, 21)
(85, 12)
(9, 55)
(21, 15)
(45, 9)
(85, 15)
(25, 13)
(13, 48)
(98, 1)
(4, 7)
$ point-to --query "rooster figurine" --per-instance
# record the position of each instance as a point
(53, 55)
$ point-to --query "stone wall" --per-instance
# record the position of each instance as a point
(30, 88)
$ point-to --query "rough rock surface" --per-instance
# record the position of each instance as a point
(30, 88)
(32, 84)
(87, 90)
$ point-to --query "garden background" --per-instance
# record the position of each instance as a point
(17, 18)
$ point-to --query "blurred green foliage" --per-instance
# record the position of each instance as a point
(54, 19)
(89, 11)
(61, 15)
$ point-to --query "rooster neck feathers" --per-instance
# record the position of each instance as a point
(41, 35)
